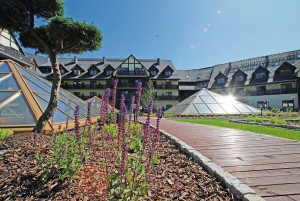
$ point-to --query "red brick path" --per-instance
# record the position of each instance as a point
(269, 165)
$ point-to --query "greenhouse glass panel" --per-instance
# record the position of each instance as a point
(229, 108)
(204, 93)
(242, 108)
(9, 84)
(197, 100)
(16, 112)
(34, 87)
(202, 109)
(208, 99)
(220, 99)
(1, 75)
(24, 72)
(216, 109)
(192, 110)
(41, 84)
(5, 94)
(4, 68)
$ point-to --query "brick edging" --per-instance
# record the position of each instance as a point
(240, 190)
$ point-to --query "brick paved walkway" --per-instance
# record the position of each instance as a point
(269, 165)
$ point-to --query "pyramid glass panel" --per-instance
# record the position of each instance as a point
(9, 83)
(216, 109)
(203, 109)
(207, 102)
(34, 87)
(58, 115)
(24, 72)
(242, 108)
(5, 94)
(1, 75)
(4, 68)
(16, 112)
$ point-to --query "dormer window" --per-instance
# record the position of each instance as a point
(62, 72)
(285, 72)
(221, 80)
(153, 73)
(93, 72)
(168, 73)
(260, 76)
(77, 72)
(239, 78)
(109, 72)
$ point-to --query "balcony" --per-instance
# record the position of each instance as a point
(90, 86)
(271, 92)
(167, 97)
(131, 72)
(166, 86)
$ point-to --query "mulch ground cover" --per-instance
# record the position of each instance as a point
(175, 177)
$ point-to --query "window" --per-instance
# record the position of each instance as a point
(260, 76)
(92, 94)
(77, 72)
(168, 106)
(239, 78)
(262, 104)
(261, 90)
(286, 87)
(109, 72)
(77, 94)
(167, 94)
(221, 80)
(93, 72)
(153, 73)
(62, 72)
(168, 73)
(285, 72)
(93, 84)
(288, 103)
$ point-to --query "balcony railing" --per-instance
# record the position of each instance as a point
(131, 72)
(88, 86)
(271, 92)
(167, 98)
(166, 86)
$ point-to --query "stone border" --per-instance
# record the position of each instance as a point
(289, 127)
(240, 190)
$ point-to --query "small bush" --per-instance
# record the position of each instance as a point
(249, 119)
(258, 119)
(5, 133)
(276, 120)
(275, 110)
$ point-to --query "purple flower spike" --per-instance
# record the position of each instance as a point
(138, 104)
(67, 124)
(77, 126)
(88, 118)
(148, 167)
(157, 137)
(131, 110)
(124, 158)
(114, 100)
(147, 124)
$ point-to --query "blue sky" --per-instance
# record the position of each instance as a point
(191, 33)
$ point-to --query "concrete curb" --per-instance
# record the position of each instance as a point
(236, 187)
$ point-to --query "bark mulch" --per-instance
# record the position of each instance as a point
(175, 177)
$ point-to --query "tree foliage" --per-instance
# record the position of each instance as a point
(148, 94)
(55, 34)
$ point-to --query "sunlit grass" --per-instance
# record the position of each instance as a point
(278, 132)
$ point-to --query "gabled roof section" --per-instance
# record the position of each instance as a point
(285, 65)
(63, 67)
(131, 66)
(24, 96)
(239, 72)
(77, 66)
(260, 69)
(206, 102)
(220, 75)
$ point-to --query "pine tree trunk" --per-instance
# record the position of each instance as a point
(40, 125)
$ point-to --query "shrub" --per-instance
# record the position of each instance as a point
(275, 110)
(276, 120)
(5, 133)
(258, 119)
(249, 119)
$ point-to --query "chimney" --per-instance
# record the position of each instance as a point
(103, 60)
(75, 59)
(267, 61)
(158, 61)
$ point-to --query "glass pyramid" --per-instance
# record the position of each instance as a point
(24, 96)
(206, 102)
(96, 102)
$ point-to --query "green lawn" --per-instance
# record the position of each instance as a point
(284, 133)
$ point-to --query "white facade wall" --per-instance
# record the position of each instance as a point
(274, 100)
